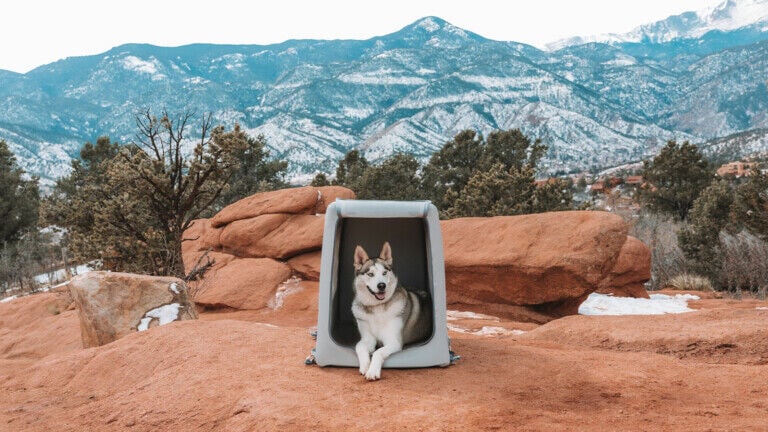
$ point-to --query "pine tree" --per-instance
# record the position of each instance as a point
(450, 168)
(19, 198)
(320, 180)
(256, 171)
(554, 195)
(700, 239)
(351, 169)
(395, 179)
(750, 207)
(676, 177)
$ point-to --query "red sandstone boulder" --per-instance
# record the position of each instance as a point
(301, 200)
(307, 265)
(112, 305)
(204, 262)
(632, 270)
(279, 236)
(550, 262)
(245, 283)
(328, 194)
(201, 236)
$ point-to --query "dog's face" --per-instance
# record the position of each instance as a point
(374, 280)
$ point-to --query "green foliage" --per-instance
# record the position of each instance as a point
(395, 179)
(76, 198)
(468, 176)
(750, 207)
(320, 180)
(256, 171)
(130, 205)
(450, 168)
(350, 170)
(700, 239)
(556, 195)
(19, 198)
(472, 176)
(676, 176)
(495, 192)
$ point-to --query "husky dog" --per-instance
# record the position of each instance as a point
(387, 315)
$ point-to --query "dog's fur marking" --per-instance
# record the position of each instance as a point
(387, 315)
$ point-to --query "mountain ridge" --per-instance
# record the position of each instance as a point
(410, 91)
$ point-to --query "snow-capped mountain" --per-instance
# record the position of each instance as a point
(726, 17)
(594, 105)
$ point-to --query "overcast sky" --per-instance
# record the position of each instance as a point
(35, 32)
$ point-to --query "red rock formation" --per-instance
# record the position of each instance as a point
(244, 283)
(112, 305)
(301, 200)
(550, 262)
(632, 270)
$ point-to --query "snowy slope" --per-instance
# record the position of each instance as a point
(727, 16)
(593, 105)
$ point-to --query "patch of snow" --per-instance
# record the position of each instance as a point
(174, 287)
(429, 25)
(380, 77)
(453, 315)
(136, 64)
(290, 286)
(658, 304)
(164, 314)
(7, 299)
(486, 331)
(761, 308)
(61, 274)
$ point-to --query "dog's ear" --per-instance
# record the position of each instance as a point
(360, 257)
(386, 253)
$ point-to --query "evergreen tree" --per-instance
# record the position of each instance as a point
(554, 195)
(395, 179)
(351, 169)
(512, 149)
(320, 180)
(490, 193)
(750, 207)
(76, 197)
(450, 168)
(19, 198)
(700, 239)
(676, 177)
(19, 240)
(256, 172)
(130, 205)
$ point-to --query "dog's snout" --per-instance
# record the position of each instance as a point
(381, 286)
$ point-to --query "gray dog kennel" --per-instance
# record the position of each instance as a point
(413, 230)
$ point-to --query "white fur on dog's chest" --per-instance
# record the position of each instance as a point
(383, 321)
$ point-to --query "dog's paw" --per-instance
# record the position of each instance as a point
(373, 373)
(364, 366)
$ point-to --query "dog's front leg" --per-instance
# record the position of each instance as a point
(391, 346)
(364, 348)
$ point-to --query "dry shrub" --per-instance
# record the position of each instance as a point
(659, 232)
(745, 263)
(690, 282)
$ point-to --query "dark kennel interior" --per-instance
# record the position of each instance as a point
(408, 239)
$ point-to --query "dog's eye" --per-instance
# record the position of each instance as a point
(384, 273)
(370, 274)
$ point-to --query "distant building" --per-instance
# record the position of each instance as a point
(634, 180)
(736, 169)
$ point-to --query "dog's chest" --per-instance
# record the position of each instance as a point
(382, 319)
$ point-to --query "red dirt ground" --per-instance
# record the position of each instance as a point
(244, 371)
